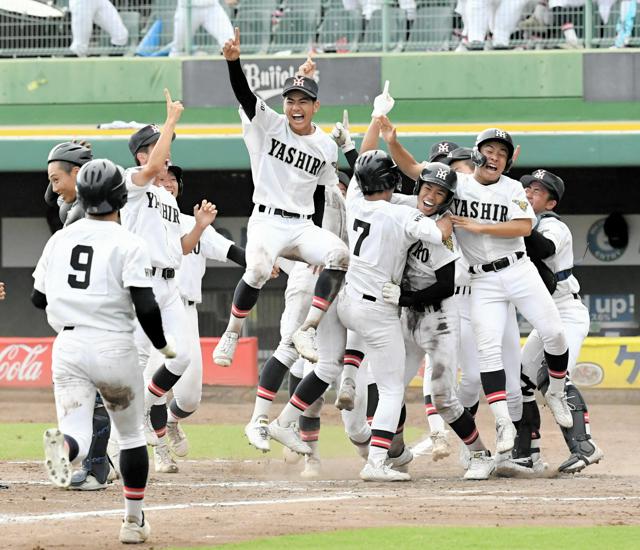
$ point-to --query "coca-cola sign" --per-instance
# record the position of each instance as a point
(25, 362)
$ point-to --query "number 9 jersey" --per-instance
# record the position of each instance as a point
(86, 270)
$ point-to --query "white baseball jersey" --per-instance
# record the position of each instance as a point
(152, 213)
(334, 218)
(287, 167)
(86, 270)
(424, 259)
(212, 246)
(557, 231)
(380, 234)
(498, 202)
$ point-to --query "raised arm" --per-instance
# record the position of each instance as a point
(405, 161)
(241, 89)
(204, 214)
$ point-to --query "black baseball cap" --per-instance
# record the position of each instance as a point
(343, 178)
(461, 153)
(440, 150)
(550, 181)
(302, 83)
(145, 136)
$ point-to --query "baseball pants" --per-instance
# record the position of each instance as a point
(84, 13)
(213, 18)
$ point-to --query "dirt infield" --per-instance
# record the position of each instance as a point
(212, 502)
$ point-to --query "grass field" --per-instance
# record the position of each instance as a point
(459, 538)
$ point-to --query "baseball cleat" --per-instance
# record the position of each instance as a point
(289, 437)
(382, 472)
(226, 349)
(56, 457)
(305, 343)
(163, 460)
(505, 435)
(481, 466)
(83, 481)
(557, 402)
(346, 398)
(178, 441)
(579, 461)
(422, 447)
(440, 445)
(520, 467)
(290, 458)
(401, 462)
(133, 533)
(312, 468)
(258, 433)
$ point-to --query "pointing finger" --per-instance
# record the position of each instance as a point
(345, 119)
(236, 38)
(385, 91)
(167, 95)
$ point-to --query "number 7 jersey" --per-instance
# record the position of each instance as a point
(86, 270)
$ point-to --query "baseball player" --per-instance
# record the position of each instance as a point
(380, 234)
(89, 278)
(84, 13)
(290, 158)
(63, 164)
(187, 393)
(208, 13)
(152, 213)
(492, 217)
(551, 244)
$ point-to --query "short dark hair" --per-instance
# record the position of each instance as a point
(65, 165)
(143, 149)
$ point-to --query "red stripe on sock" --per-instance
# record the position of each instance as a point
(320, 303)
(470, 439)
(497, 396)
(133, 493)
(430, 409)
(156, 390)
(161, 432)
(557, 373)
(352, 360)
(377, 441)
(266, 394)
(298, 403)
(237, 312)
(310, 436)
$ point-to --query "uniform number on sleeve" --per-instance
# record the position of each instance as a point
(81, 258)
(359, 224)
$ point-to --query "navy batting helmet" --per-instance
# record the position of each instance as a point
(375, 171)
(551, 182)
(72, 152)
(493, 134)
(101, 187)
(440, 174)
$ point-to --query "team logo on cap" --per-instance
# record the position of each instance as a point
(539, 174)
(298, 81)
(441, 174)
(155, 128)
(443, 148)
(501, 134)
(522, 204)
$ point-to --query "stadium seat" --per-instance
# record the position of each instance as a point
(372, 39)
(255, 29)
(163, 10)
(431, 29)
(295, 31)
(340, 30)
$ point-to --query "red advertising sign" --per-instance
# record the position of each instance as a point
(26, 362)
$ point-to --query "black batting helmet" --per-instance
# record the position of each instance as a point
(375, 171)
(440, 174)
(72, 152)
(551, 182)
(493, 134)
(440, 150)
(101, 187)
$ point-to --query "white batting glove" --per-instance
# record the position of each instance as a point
(340, 134)
(169, 351)
(383, 103)
(391, 293)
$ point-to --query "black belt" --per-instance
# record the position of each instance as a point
(167, 272)
(576, 296)
(190, 302)
(68, 328)
(281, 212)
(368, 297)
(497, 265)
(463, 290)
(563, 275)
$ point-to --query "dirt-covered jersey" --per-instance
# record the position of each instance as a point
(287, 167)
(557, 232)
(380, 234)
(498, 202)
(152, 213)
(211, 246)
(86, 270)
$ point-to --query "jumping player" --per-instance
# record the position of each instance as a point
(88, 279)
(290, 158)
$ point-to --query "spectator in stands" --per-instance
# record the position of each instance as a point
(498, 16)
(208, 13)
(84, 13)
(3, 293)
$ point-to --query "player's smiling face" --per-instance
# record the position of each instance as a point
(539, 197)
(63, 183)
(497, 156)
(299, 109)
(168, 180)
(430, 197)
